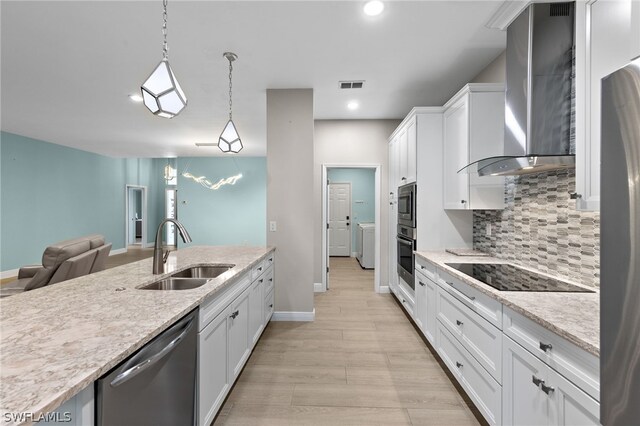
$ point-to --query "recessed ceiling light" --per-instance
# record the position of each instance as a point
(135, 97)
(373, 7)
(353, 105)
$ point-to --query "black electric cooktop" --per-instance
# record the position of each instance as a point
(505, 277)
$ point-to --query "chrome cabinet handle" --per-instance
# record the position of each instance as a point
(574, 195)
(235, 314)
(546, 389)
(458, 322)
(421, 283)
(459, 364)
(546, 346)
(536, 381)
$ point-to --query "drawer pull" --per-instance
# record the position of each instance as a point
(421, 283)
(536, 381)
(459, 364)
(472, 298)
(404, 301)
(422, 267)
(271, 305)
(235, 314)
(458, 322)
(547, 389)
(270, 279)
(261, 280)
(260, 268)
(545, 346)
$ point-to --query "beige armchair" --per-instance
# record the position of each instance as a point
(60, 262)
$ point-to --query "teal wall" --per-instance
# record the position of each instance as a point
(51, 193)
(231, 215)
(363, 193)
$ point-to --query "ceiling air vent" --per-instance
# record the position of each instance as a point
(559, 9)
(351, 84)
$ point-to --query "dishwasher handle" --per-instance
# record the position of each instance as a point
(132, 372)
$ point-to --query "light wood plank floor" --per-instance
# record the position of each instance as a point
(360, 362)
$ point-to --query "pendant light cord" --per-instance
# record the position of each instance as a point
(230, 87)
(165, 45)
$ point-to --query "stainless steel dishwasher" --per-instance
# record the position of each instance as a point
(156, 385)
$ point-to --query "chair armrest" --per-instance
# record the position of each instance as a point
(29, 271)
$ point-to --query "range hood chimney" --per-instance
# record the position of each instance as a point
(539, 56)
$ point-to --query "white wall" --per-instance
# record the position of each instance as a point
(495, 72)
(289, 196)
(349, 142)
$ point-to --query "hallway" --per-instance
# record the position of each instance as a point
(360, 362)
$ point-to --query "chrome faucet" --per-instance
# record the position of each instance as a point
(159, 255)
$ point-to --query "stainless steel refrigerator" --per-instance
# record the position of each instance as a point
(620, 248)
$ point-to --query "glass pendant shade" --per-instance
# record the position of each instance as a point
(162, 93)
(229, 139)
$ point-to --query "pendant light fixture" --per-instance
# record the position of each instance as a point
(229, 140)
(161, 92)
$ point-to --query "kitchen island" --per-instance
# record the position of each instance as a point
(59, 339)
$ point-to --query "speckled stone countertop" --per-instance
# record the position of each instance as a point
(573, 316)
(57, 340)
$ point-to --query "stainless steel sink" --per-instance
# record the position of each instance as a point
(172, 283)
(203, 271)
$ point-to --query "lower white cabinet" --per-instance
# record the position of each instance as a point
(425, 307)
(239, 349)
(256, 305)
(78, 411)
(535, 394)
(213, 367)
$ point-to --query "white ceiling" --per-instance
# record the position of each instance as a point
(68, 67)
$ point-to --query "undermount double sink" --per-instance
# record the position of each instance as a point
(189, 278)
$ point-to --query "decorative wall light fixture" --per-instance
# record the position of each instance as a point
(229, 140)
(161, 92)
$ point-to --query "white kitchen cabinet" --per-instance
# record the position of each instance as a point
(473, 130)
(238, 321)
(535, 394)
(393, 213)
(213, 367)
(604, 43)
(425, 308)
(421, 302)
(78, 411)
(256, 304)
(403, 161)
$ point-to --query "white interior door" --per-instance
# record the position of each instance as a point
(339, 219)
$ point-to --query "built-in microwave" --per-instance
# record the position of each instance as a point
(407, 205)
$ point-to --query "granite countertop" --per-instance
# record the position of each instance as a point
(59, 339)
(573, 316)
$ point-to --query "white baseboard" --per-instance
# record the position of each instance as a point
(384, 289)
(9, 274)
(118, 251)
(294, 316)
(318, 288)
(354, 254)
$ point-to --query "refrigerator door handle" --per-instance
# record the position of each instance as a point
(140, 367)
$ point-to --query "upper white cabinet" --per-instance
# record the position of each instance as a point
(403, 154)
(473, 130)
(607, 38)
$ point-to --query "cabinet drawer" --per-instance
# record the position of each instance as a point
(257, 270)
(483, 390)
(427, 269)
(477, 335)
(211, 307)
(268, 281)
(482, 304)
(270, 260)
(268, 307)
(577, 365)
(407, 300)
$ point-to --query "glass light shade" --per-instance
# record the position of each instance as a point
(229, 139)
(162, 93)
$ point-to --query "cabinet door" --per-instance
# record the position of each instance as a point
(256, 316)
(604, 29)
(412, 143)
(213, 369)
(403, 165)
(523, 402)
(268, 307)
(569, 405)
(238, 326)
(430, 328)
(456, 155)
(421, 302)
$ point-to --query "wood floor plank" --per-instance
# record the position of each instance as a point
(254, 393)
(397, 376)
(277, 416)
(401, 396)
(319, 358)
(256, 373)
(435, 417)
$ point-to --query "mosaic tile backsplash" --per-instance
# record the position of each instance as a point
(541, 228)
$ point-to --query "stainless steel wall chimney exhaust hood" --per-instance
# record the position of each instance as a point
(540, 45)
